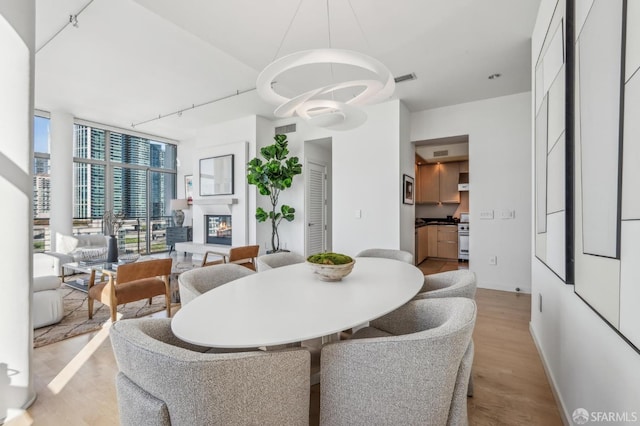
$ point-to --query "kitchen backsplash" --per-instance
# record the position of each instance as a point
(436, 210)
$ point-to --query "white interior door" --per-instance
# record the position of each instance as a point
(316, 211)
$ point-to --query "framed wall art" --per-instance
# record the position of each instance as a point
(216, 175)
(407, 189)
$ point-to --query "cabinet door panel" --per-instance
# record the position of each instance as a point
(423, 241)
(449, 175)
(448, 249)
(432, 246)
(430, 183)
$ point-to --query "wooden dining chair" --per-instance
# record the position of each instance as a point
(244, 255)
(217, 260)
(131, 282)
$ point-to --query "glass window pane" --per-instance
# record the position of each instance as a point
(130, 149)
(41, 205)
(162, 191)
(41, 126)
(130, 192)
(88, 142)
(163, 155)
(88, 190)
(143, 152)
(41, 188)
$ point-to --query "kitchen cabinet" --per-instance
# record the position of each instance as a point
(448, 241)
(432, 245)
(439, 241)
(438, 183)
(428, 189)
(449, 176)
(423, 240)
(464, 166)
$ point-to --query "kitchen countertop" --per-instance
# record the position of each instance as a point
(434, 221)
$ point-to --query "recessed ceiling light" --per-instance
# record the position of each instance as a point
(494, 76)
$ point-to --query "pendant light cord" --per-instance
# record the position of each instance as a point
(287, 31)
(359, 25)
(333, 79)
(329, 24)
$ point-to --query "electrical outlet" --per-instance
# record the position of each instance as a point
(493, 260)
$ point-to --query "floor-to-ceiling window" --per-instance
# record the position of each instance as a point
(41, 184)
(124, 173)
(112, 170)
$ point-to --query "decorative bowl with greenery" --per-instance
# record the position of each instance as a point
(331, 266)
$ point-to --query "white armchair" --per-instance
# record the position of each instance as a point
(48, 306)
(69, 248)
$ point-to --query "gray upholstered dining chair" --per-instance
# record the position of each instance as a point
(459, 283)
(414, 372)
(165, 381)
(401, 255)
(276, 260)
(200, 280)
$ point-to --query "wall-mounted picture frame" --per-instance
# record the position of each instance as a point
(188, 188)
(407, 189)
(216, 175)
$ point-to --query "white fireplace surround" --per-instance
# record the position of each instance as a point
(235, 205)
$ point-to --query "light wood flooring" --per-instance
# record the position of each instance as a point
(74, 378)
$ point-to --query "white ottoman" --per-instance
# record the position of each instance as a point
(47, 301)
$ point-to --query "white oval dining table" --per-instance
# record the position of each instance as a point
(290, 304)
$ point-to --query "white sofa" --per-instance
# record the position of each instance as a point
(69, 248)
(47, 306)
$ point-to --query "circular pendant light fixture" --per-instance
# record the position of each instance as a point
(318, 106)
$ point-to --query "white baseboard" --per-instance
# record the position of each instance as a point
(564, 415)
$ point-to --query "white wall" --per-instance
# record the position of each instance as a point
(407, 167)
(589, 364)
(367, 168)
(499, 132)
(367, 179)
(17, 34)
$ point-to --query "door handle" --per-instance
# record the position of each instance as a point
(310, 224)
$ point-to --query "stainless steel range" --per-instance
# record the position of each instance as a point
(463, 241)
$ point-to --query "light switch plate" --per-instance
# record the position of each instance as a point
(358, 214)
(486, 214)
(507, 214)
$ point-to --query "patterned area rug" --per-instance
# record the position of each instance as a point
(76, 320)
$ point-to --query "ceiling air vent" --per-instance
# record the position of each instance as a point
(289, 128)
(405, 77)
(442, 153)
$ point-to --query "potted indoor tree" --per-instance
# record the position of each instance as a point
(271, 176)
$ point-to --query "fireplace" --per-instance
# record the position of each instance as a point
(217, 229)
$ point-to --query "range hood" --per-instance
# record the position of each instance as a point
(463, 181)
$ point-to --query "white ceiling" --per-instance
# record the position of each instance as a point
(131, 61)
